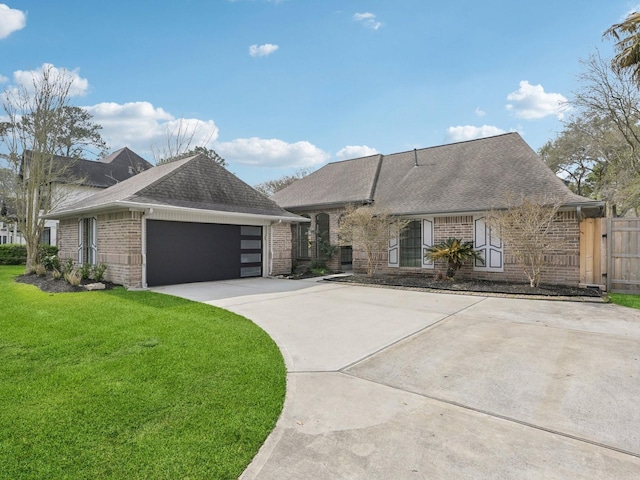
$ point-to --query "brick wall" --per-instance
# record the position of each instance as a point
(334, 219)
(281, 249)
(119, 245)
(562, 264)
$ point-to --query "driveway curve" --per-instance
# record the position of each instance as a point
(385, 383)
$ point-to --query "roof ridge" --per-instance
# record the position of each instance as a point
(457, 143)
(376, 177)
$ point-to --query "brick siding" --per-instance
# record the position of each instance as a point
(281, 249)
(119, 245)
(562, 264)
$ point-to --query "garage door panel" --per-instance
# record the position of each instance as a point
(181, 252)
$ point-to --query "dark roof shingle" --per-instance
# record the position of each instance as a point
(475, 175)
(195, 182)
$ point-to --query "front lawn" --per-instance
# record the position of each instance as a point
(135, 385)
(625, 300)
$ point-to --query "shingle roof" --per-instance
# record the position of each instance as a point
(351, 181)
(475, 175)
(195, 182)
(114, 168)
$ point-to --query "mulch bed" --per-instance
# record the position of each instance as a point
(465, 285)
(48, 284)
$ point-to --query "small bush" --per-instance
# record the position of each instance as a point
(41, 271)
(67, 266)
(97, 272)
(13, 254)
(74, 277)
(85, 270)
(46, 254)
(56, 274)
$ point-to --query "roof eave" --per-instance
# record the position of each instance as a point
(148, 207)
(314, 206)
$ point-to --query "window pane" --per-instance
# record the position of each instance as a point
(250, 258)
(250, 272)
(322, 232)
(303, 240)
(250, 244)
(250, 231)
(411, 245)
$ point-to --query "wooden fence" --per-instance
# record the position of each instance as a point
(623, 255)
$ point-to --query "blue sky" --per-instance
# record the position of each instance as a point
(274, 86)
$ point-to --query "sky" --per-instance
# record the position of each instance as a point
(275, 86)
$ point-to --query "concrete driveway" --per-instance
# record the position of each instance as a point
(397, 384)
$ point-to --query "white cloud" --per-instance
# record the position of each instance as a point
(469, 132)
(355, 151)
(11, 20)
(271, 152)
(140, 125)
(262, 50)
(532, 102)
(368, 20)
(3, 79)
(480, 113)
(26, 78)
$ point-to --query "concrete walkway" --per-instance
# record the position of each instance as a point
(396, 384)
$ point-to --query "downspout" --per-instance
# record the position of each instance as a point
(579, 213)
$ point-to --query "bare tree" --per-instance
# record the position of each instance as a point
(599, 149)
(270, 187)
(31, 135)
(369, 228)
(179, 142)
(524, 226)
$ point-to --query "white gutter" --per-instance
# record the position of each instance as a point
(140, 206)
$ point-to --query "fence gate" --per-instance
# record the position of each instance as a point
(593, 266)
(623, 252)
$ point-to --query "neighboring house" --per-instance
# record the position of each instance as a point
(86, 177)
(186, 221)
(444, 191)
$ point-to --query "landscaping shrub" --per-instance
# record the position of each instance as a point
(48, 256)
(97, 272)
(13, 254)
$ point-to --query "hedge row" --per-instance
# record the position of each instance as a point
(14, 254)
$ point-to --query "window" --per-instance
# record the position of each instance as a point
(87, 241)
(45, 239)
(322, 233)
(489, 244)
(250, 251)
(303, 240)
(411, 245)
(407, 248)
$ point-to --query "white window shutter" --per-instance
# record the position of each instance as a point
(490, 246)
(427, 241)
(80, 240)
(94, 241)
(394, 246)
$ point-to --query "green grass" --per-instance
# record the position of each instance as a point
(625, 299)
(119, 384)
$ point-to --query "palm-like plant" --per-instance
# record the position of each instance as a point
(455, 252)
(627, 37)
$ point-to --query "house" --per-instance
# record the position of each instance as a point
(444, 191)
(81, 178)
(186, 221)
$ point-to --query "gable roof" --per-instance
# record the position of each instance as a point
(108, 171)
(470, 176)
(195, 182)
